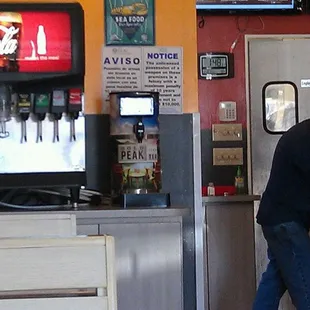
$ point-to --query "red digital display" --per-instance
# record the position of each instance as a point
(38, 42)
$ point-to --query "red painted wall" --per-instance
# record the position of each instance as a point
(218, 34)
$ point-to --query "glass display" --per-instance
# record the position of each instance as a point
(131, 106)
(244, 4)
(280, 107)
(32, 42)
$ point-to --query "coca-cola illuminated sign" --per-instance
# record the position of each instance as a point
(35, 42)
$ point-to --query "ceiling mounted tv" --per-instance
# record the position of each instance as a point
(245, 7)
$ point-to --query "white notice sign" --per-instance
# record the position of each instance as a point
(146, 69)
(163, 73)
(121, 71)
(305, 83)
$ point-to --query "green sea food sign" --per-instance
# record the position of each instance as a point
(129, 22)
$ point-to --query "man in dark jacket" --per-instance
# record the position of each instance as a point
(284, 214)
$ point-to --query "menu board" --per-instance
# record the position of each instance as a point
(35, 42)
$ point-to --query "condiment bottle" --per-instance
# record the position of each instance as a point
(211, 189)
(239, 181)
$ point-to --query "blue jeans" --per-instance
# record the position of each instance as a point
(288, 268)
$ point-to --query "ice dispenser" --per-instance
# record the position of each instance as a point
(134, 132)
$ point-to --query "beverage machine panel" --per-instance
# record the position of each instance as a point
(42, 124)
(135, 136)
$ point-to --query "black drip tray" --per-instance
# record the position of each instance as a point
(152, 200)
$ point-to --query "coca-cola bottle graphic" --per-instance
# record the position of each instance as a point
(10, 35)
(41, 41)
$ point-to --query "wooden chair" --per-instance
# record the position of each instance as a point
(62, 273)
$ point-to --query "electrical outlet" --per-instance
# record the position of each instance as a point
(227, 132)
(227, 156)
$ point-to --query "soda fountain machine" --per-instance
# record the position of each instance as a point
(42, 125)
(134, 132)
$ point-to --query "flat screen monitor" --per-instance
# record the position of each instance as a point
(135, 106)
(41, 40)
(249, 6)
(35, 42)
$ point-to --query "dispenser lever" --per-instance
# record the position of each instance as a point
(74, 107)
(23, 107)
(5, 109)
(24, 132)
(57, 108)
(3, 132)
(56, 131)
(72, 130)
(39, 131)
(40, 108)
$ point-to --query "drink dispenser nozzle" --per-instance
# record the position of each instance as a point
(41, 106)
(5, 109)
(74, 107)
(139, 130)
(57, 108)
(23, 109)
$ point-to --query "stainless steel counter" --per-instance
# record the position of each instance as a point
(149, 250)
(104, 212)
(229, 199)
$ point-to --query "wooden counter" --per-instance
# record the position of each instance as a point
(230, 252)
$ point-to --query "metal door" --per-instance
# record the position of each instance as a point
(285, 63)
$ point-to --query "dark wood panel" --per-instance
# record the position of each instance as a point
(231, 256)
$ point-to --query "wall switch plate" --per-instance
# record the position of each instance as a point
(227, 156)
(227, 132)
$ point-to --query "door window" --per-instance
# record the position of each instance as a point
(280, 106)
